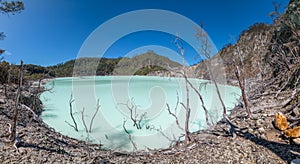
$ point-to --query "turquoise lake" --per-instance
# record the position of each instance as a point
(145, 95)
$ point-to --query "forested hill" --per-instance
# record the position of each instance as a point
(138, 65)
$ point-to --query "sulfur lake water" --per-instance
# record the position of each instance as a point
(145, 98)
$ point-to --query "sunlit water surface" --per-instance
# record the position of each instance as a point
(145, 95)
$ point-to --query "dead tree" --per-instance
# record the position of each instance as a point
(241, 81)
(35, 96)
(178, 42)
(201, 100)
(240, 75)
(174, 115)
(132, 107)
(71, 114)
(129, 136)
(205, 50)
(13, 134)
(179, 45)
(83, 121)
(92, 120)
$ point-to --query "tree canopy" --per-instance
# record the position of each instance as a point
(10, 7)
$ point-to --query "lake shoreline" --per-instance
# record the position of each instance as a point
(40, 143)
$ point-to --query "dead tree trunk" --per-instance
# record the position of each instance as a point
(174, 114)
(205, 48)
(13, 134)
(83, 121)
(178, 42)
(132, 107)
(202, 102)
(7, 82)
(187, 113)
(242, 86)
(71, 114)
(35, 96)
(92, 120)
(129, 136)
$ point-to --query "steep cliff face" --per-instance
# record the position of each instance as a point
(264, 51)
(284, 48)
(248, 52)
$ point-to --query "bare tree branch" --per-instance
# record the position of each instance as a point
(241, 81)
(92, 120)
(71, 114)
(172, 114)
(178, 42)
(83, 121)
(13, 134)
(201, 100)
(132, 107)
(205, 49)
(129, 136)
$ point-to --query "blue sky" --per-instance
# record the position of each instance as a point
(49, 32)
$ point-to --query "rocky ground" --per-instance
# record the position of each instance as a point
(253, 141)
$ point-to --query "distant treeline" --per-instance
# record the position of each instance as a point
(138, 65)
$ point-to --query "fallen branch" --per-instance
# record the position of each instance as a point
(35, 116)
(295, 93)
(16, 143)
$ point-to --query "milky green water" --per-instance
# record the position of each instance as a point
(145, 95)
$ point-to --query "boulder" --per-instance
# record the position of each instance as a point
(281, 121)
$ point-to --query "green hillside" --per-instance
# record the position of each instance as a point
(138, 65)
(143, 64)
